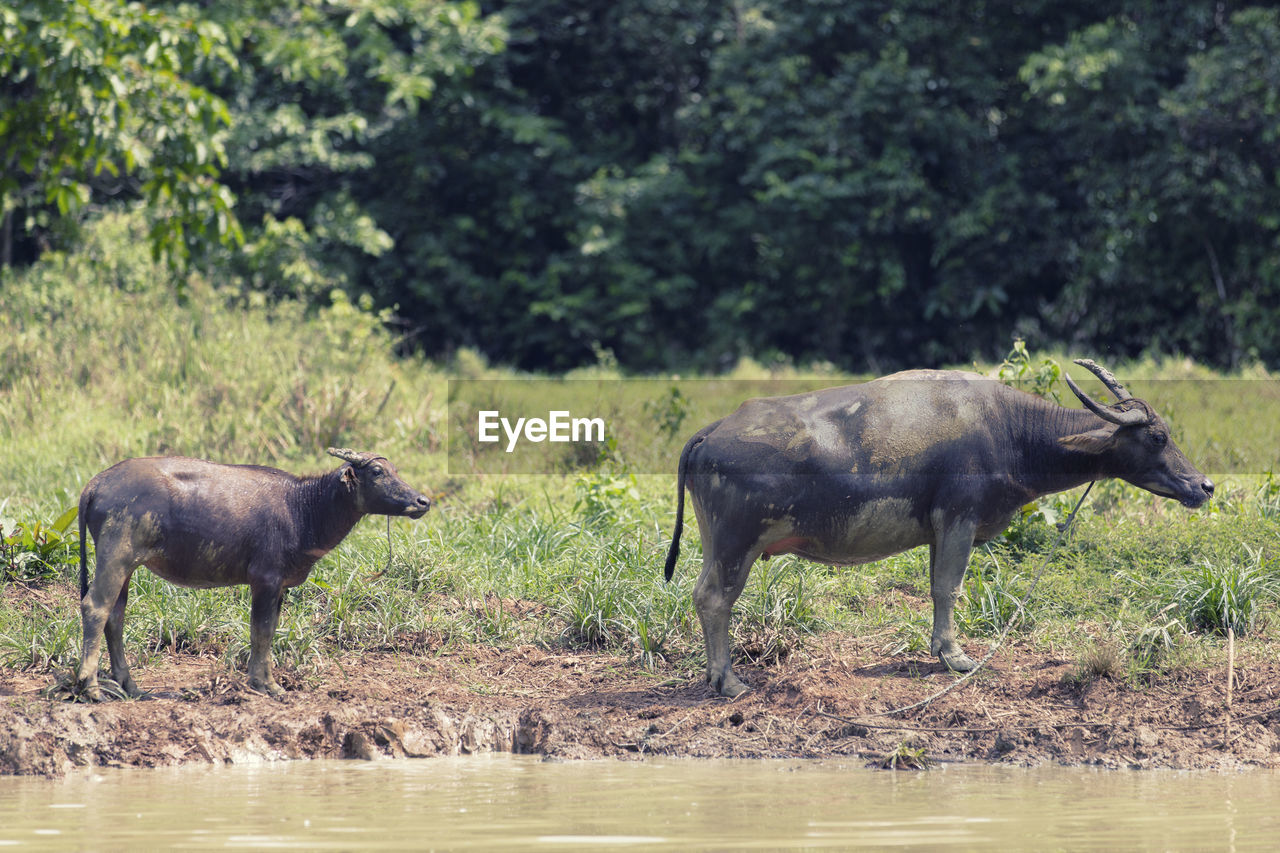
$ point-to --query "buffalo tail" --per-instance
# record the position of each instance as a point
(674, 553)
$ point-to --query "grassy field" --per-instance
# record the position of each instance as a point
(100, 361)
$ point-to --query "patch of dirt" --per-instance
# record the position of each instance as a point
(827, 701)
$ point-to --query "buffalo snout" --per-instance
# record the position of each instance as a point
(1198, 498)
(422, 503)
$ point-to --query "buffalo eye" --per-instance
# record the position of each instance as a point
(1159, 439)
(377, 470)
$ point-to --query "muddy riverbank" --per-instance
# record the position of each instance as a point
(827, 702)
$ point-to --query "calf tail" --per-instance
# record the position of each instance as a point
(86, 498)
(674, 552)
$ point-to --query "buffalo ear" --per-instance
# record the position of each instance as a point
(349, 477)
(1094, 442)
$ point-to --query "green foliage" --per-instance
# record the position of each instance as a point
(40, 639)
(990, 602)
(593, 611)
(669, 412)
(908, 639)
(320, 91)
(99, 100)
(181, 623)
(1216, 595)
(603, 495)
(1268, 495)
(1020, 371)
(1034, 526)
(91, 342)
(1131, 652)
(779, 611)
(651, 634)
(1098, 660)
(36, 551)
(1171, 222)
(905, 757)
(680, 185)
(1155, 645)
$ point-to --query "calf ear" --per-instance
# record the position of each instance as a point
(1094, 442)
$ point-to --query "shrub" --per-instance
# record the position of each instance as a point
(1099, 660)
(34, 550)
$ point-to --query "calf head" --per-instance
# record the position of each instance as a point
(1138, 448)
(377, 485)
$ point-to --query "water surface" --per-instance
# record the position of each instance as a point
(522, 803)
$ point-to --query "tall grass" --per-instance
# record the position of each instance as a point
(102, 359)
(1216, 596)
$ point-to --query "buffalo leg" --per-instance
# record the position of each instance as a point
(948, 559)
(724, 574)
(115, 642)
(115, 563)
(264, 616)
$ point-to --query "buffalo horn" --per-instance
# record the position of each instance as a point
(1107, 378)
(347, 455)
(1126, 417)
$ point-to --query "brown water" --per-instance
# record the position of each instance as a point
(521, 803)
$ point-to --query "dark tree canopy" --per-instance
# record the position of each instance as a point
(683, 183)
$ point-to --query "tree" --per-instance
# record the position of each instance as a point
(1222, 204)
(503, 172)
(1158, 130)
(97, 103)
(318, 88)
(875, 184)
(849, 185)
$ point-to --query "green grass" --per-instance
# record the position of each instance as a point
(1215, 596)
(99, 361)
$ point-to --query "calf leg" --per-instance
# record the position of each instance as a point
(948, 559)
(115, 563)
(115, 641)
(264, 616)
(724, 574)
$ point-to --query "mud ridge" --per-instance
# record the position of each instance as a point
(826, 703)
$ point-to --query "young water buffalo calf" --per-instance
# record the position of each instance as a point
(202, 524)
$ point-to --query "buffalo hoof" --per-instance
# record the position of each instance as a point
(957, 661)
(89, 692)
(271, 688)
(730, 686)
(100, 690)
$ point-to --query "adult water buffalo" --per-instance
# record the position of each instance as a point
(925, 457)
(202, 524)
